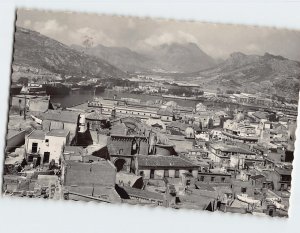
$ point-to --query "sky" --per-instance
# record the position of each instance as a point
(142, 34)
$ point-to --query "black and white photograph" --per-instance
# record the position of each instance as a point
(146, 111)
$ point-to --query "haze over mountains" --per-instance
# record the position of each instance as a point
(185, 62)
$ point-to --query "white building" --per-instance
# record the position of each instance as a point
(42, 147)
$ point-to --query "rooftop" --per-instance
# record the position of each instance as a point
(283, 171)
(74, 150)
(255, 177)
(164, 161)
(260, 115)
(37, 134)
(62, 116)
(230, 148)
(95, 116)
(143, 193)
(11, 133)
(58, 133)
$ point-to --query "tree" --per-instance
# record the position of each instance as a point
(23, 81)
(87, 42)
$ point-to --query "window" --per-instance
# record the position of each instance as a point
(201, 178)
(188, 182)
(120, 151)
(166, 173)
(223, 179)
(176, 173)
(34, 147)
(243, 190)
(46, 157)
(47, 142)
(151, 173)
(30, 158)
(212, 179)
(142, 173)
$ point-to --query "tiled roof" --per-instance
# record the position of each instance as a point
(143, 193)
(283, 171)
(230, 148)
(164, 161)
(260, 115)
(62, 116)
(95, 116)
(257, 177)
(204, 186)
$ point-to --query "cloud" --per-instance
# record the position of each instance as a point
(50, 27)
(168, 38)
(252, 48)
(95, 36)
(27, 23)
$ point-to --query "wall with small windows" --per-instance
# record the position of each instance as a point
(214, 177)
(159, 173)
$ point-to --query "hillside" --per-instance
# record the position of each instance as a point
(37, 51)
(252, 73)
(182, 57)
(165, 58)
(121, 57)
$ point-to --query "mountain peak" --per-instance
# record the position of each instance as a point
(272, 56)
(237, 55)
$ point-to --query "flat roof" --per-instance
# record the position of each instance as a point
(37, 134)
(58, 133)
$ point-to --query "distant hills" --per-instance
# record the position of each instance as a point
(268, 73)
(182, 57)
(253, 73)
(123, 58)
(36, 50)
(165, 58)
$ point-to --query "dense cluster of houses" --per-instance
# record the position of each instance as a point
(112, 150)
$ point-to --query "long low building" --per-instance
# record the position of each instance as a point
(160, 167)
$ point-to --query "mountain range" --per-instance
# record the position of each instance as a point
(172, 57)
(253, 73)
(36, 50)
(266, 73)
